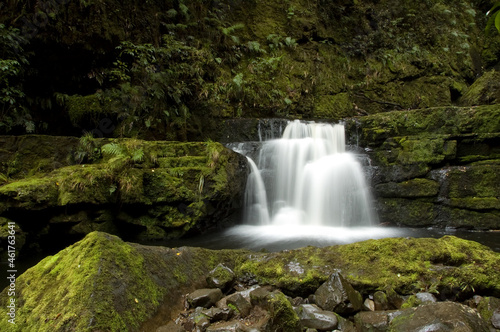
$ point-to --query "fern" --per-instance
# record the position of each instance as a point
(3, 178)
(137, 155)
(113, 149)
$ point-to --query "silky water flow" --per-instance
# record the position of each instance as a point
(306, 189)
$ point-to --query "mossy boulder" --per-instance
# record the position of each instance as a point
(153, 190)
(132, 282)
(103, 283)
(484, 91)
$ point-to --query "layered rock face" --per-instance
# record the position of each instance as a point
(65, 187)
(434, 167)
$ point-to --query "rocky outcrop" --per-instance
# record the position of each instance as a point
(142, 287)
(434, 167)
(139, 189)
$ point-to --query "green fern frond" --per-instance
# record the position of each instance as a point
(3, 178)
(138, 155)
(113, 149)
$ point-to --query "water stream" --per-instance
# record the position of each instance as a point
(309, 179)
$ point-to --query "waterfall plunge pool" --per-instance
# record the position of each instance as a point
(285, 237)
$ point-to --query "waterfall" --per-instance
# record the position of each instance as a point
(308, 178)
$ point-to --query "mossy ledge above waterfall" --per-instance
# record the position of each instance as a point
(146, 190)
(102, 283)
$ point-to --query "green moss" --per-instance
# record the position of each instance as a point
(67, 284)
(402, 264)
(335, 107)
(483, 91)
(412, 188)
(429, 122)
(84, 107)
(283, 317)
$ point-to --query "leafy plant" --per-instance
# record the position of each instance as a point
(122, 154)
(494, 17)
(88, 149)
(13, 59)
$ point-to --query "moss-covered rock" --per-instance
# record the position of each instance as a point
(158, 189)
(132, 282)
(484, 91)
(103, 283)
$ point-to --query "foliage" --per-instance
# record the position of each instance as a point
(155, 84)
(123, 154)
(87, 150)
(494, 17)
(12, 62)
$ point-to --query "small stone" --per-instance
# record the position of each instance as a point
(170, 327)
(221, 277)
(495, 319)
(381, 301)
(337, 295)
(205, 297)
(217, 314)
(369, 305)
(231, 326)
(311, 316)
(425, 297)
(258, 296)
(240, 303)
(372, 320)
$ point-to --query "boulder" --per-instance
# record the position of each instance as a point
(282, 315)
(337, 295)
(439, 316)
(311, 316)
(221, 277)
(205, 297)
(374, 321)
(489, 308)
(239, 303)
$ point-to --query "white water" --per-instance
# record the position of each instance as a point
(306, 178)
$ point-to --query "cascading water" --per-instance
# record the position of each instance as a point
(307, 178)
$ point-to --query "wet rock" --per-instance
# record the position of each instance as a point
(238, 302)
(258, 296)
(439, 316)
(205, 297)
(337, 295)
(495, 319)
(311, 316)
(282, 315)
(381, 301)
(221, 277)
(374, 321)
(171, 327)
(218, 314)
(425, 297)
(395, 300)
(231, 326)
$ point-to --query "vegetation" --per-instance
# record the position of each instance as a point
(13, 61)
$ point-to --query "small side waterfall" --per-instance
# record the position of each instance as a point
(308, 178)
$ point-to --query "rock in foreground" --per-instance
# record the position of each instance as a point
(102, 283)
